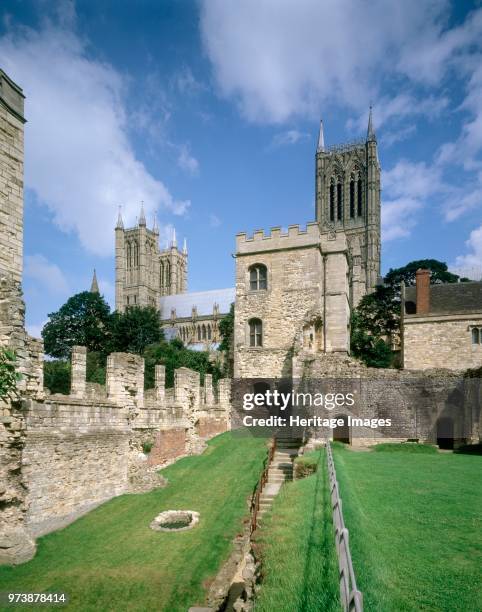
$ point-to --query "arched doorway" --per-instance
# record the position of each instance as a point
(445, 433)
(342, 433)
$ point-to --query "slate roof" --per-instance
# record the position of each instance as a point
(203, 300)
(451, 298)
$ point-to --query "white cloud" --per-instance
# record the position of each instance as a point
(35, 330)
(46, 274)
(470, 264)
(289, 137)
(187, 162)
(279, 58)
(214, 220)
(79, 160)
(187, 83)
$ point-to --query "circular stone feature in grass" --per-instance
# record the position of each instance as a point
(175, 520)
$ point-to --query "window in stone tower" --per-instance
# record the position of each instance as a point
(476, 335)
(258, 277)
(352, 196)
(339, 200)
(360, 198)
(332, 200)
(255, 332)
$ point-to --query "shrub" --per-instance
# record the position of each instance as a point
(306, 465)
(9, 377)
(147, 447)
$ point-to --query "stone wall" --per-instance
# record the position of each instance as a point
(440, 342)
(11, 178)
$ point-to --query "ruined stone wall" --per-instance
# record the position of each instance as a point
(441, 342)
(11, 178)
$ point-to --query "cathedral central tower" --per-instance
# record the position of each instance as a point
(348, 200)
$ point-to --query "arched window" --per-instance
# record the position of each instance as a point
(209, 332)
(475, 335)
(255, 332)
(332, 199)
(339, 200)
(360, 198)
(204, 332)
(258, 277)
(199, 333)
(167, 274)
(161, 274)
(352, 196)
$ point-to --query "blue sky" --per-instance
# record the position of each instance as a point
(209, 111)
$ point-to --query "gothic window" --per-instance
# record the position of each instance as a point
(360, 198)
(255, 332)
(204, 332)
(332, 200)
(168, 274)
(199, 333)
(209, 332)
(352, 196)
(161, 274)
(476, 336)
(258, 277)
(339, 200)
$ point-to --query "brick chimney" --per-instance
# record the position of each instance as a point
(422, 284)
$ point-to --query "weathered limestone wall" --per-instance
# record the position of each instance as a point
(11, 178)
(440, 342)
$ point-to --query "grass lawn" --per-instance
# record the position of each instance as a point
(415, 528)
(111, 560)
(299, 558)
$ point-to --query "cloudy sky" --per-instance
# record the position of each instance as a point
(208, 112)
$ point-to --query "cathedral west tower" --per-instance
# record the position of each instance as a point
(348, 200)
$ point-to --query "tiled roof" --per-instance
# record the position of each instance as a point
(450, 298)
(203, 300)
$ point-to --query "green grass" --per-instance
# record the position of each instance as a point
(415, 528)
(111, 560)
(298, 549)
(406, 447)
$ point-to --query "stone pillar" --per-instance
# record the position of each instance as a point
(78, 362)
(186, 387)
(422, 280)
(208, 390)
(125, 379)
(160, 383)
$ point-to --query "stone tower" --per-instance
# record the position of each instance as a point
(144, 272)
(11, 178)
(348, 199)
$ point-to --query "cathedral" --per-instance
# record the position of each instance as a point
(292, 286)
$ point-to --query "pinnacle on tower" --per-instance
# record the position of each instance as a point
(370, 132)
(120, 222)
(94, 286)
(155, 226)
(184, 248)
(321, 138)
(174, 239)
(142, 216)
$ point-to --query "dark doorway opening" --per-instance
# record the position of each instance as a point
(342, 433)
(445, 433)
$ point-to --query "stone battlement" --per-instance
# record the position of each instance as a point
(276, 239)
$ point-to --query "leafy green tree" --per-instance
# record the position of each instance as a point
(9, 377)
(174, 355)
(83, 320)
(57, 376)
(226, 346)
(372, 350)
(96, 367)
(439, 270)
(135, 329)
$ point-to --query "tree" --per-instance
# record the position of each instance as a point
(174, 355)
(439, 270)
(135, 329)
(9, 377)
(57, 375)
(372, 350)
(226, 346)
(83, 320)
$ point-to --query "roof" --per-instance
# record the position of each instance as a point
(203, 300)
(448, 298)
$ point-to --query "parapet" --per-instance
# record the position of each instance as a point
(276, 239)
(11, 96)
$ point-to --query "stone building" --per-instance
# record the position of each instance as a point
(146, 275)
(441, 325)
(297, 288)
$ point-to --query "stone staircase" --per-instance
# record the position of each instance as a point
(280, 471)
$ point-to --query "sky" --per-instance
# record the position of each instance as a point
(208, 112)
